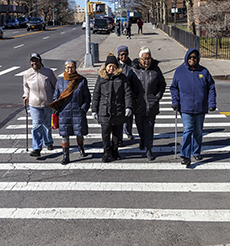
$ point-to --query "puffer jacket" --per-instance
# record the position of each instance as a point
(193, 90)
(111, 96)
(148, 86)
(72, 114)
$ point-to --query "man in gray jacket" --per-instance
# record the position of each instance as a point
(39, 84)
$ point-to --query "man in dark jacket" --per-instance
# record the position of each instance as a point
(112, 104)
(147, 85)
(193, 94)
(126, 64)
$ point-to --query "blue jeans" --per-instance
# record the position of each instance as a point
(192, 134)
(41, 130)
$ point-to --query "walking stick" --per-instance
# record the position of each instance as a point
(175, 156)
(26, 128)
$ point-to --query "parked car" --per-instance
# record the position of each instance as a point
(12, 23)
(23, 21)
(101, 25)
(1, 33)
(84, 24)
(36, 23)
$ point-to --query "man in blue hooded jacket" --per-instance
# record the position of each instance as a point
(193, 95)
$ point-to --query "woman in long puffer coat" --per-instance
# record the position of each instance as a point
(112, 104)
(72, 101)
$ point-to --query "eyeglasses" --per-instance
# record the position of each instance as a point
(192, 57)
(123, 54)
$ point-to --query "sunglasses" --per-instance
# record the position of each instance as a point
(192, 57)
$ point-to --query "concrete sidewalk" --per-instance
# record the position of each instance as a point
(164, 49)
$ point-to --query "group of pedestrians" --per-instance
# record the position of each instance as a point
(125, 27)
(123, 88)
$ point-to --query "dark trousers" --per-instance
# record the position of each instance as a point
(139, 29)
(128, 32)
(145, 127)
(106, 130)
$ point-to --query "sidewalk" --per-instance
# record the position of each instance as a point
(164, 49)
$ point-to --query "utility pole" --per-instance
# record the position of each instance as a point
(88, 55)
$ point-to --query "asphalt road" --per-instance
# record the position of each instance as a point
(130, 202)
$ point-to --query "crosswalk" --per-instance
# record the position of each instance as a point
(131, 177)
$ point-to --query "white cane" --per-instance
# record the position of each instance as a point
(175, 156)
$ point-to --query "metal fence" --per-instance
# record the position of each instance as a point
(218, 48)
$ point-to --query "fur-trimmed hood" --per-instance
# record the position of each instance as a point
(137, 65)
(104, 74)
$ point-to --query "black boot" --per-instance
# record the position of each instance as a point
(149, 154)
(80, 145)
(115, 153)
(65, 156)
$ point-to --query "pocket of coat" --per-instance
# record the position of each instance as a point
(103, 110)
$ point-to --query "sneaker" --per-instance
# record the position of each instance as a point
(185, 161)
(35, 153)
(115, 154)
(50, 147)
(198, 157)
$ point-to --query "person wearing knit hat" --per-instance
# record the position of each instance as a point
(111, 105)
(126, 64)
(38, 85)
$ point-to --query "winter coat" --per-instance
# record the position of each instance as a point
(111, 96)
(126, 66)
(148, 86)
(72, 114)
(193, 90)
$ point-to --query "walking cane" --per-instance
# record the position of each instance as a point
(26, 128)
(175, 156)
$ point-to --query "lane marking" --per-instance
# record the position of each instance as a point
(22, 73)
(122, 150)
(9, 70)
(162, 125)
(116, 186)
(62, 33)
(215, 215)
(19, 46)
(46, 37)
(114, 166)
(225, 113)
(98, 136)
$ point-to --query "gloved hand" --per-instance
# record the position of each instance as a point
(212, 108)
(95, 116)
(175, 107)
(128, 112)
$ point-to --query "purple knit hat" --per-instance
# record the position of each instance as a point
(122, 48)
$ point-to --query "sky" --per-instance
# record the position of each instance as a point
(82, 3)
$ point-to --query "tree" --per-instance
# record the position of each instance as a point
(190, 19)
(214, 18)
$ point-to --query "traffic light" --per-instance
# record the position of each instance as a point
(60, 3)
(90, 8)
(100, 8)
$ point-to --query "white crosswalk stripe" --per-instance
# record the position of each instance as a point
(215, 134)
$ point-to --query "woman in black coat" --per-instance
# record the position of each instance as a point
(112, 104)
(148, 86)
(72, 110)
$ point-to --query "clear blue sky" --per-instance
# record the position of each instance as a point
(82, 3)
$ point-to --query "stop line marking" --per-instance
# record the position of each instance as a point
(117, 213)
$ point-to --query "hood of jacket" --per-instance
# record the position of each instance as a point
(187, 55)
(104, 74)
(137, 64)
